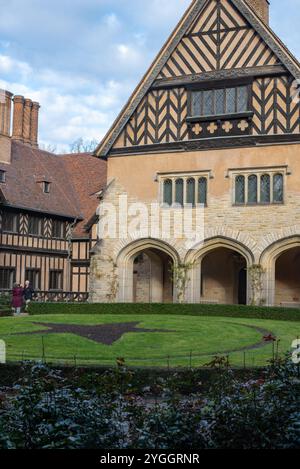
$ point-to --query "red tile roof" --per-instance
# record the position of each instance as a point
(88, 175)
(75, 179)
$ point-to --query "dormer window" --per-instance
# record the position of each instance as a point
(46, 187)
(2, 176)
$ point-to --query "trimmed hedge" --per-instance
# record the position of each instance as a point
(237, 311)
(5, 312)
(5, 304)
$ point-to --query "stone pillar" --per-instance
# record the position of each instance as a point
(27, 121)
(34, 127)
(19, 103)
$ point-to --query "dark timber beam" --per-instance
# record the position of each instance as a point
(272, 70)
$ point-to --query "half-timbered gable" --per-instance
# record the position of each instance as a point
(223, 73)
(219, 39)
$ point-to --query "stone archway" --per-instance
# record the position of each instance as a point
(152, 277)
(281, 261)
(220, 272)
(145, 272)
(287, 278)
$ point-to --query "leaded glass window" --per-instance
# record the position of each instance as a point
(168, 189)
(2, 175)
(240, 190)
(10, 223)
(179, 191)
(58, 229)
(259, 189)
(242, 99)
(230, 100)
(252, 189)
(219, 101)
(34, 226)
(208, 103)
(190, 191)
(7, 278)
(265, 189)
(197, 103)
(278, 188)
(202, 191)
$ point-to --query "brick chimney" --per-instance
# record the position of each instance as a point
(34, 124)
(5, 112)
(18, 118)
(5, 119)
(261, 8)
(25, 121)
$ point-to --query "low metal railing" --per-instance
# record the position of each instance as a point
(56, 296)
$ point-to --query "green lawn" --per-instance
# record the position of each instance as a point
(203, 336)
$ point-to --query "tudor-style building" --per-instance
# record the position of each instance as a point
(47, 208)
(214, 121)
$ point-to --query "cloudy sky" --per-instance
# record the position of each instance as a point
(82, 58)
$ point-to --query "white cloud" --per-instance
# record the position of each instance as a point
(71, 107)
(82, 58)
(9, 65)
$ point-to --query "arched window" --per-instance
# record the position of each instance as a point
(252, 189)
(202, 191)
(265, 189)
(168, 189)
(179, 191)
(240, 190)
(278, 188)
(190, 191)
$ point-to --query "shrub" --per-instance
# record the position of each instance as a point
(176, 309)
(5, 304)
(47, 411)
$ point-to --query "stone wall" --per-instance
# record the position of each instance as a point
(252, 231)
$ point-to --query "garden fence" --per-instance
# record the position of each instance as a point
(236, 359)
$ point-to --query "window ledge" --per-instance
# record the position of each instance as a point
(236, 115)
(259, 204)
(170, 207)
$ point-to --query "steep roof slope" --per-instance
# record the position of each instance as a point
(190, 18)
(88, 176)
(28, 168)
(75, 179)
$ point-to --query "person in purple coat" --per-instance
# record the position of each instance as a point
(17, 298)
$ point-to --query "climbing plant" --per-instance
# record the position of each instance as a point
(256, 272)
(180, 275)
(113, 281)
(110, 272)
